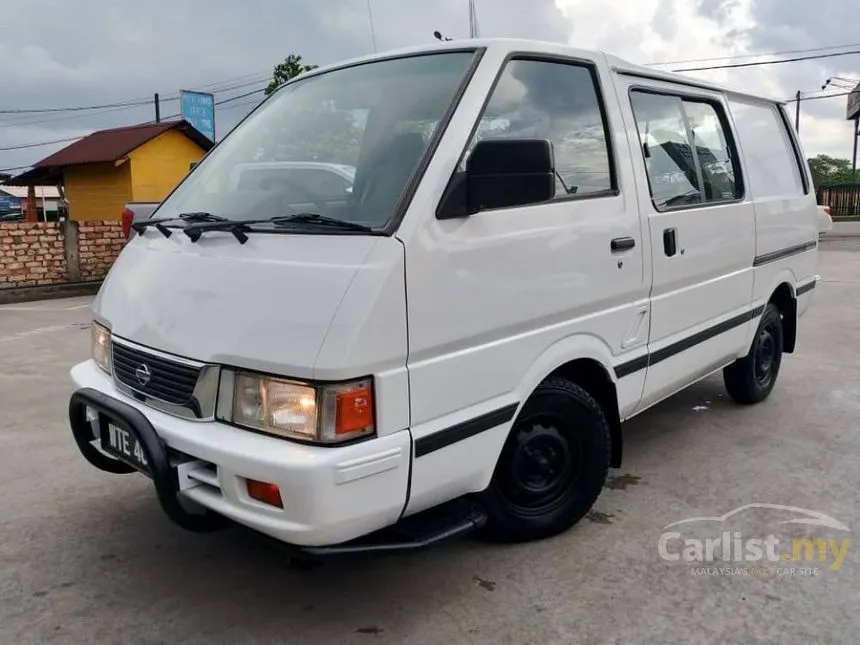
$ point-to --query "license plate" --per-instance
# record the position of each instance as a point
(125, 446)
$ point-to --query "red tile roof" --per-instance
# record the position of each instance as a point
(111, 145)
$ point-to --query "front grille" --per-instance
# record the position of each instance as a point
(155, 376)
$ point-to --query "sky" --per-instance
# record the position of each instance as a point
(57, 53)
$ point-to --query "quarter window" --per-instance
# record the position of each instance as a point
(686, 148)
(555, 101)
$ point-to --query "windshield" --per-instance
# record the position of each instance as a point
(342, 144)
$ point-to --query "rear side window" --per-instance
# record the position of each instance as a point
(688, 151)
(772, 164)
(559, 101)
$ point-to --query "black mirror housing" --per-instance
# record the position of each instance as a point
(501, 173)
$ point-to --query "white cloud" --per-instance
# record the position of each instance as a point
(650, 31)
(85, 52)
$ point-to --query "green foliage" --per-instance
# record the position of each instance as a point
(828, 170)
(290, 68)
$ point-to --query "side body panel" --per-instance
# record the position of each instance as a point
(785, 205)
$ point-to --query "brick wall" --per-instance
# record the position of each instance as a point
(48, 253)
(31, 254)
(98, 245)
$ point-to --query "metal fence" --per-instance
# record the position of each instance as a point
(843, 199)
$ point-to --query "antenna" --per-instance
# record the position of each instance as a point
(473, 20)
(372, 31)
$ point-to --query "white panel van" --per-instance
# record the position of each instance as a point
(532, 245)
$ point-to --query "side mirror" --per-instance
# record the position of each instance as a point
(501, 173)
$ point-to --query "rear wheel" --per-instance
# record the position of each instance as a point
(752, 378)
(552, 466)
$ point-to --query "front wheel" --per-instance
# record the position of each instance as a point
(752, 378)
(552, 467)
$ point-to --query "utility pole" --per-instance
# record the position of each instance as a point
(856, 137)
(157, 109)
(372, 30)
(473, 20)
(797, 114)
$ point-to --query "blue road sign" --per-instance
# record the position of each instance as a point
(198, 108)
(9, 203)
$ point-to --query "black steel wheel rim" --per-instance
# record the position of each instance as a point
(765, 355)
(542, 464)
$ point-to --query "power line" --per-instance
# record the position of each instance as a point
(782, 53)
(221, 102)
(52, 142)
(80, 108)
(137, 102)
(41, 143)
(767, 62)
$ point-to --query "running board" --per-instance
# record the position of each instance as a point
(448, 521)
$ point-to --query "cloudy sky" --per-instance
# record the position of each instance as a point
(61, 53)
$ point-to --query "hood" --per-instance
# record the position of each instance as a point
(265, 305)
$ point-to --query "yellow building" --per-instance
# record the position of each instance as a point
(103, 171)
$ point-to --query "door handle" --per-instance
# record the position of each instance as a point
(670, 242)
(622, 244)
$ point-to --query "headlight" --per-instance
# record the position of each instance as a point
(328, 413)
(100, 341)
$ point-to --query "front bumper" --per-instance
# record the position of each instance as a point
(330, 494)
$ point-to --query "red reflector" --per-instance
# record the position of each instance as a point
(127, 216)
(264, 492)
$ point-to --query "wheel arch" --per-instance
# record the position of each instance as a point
(587, 361)
(781, 293)
(785, 299)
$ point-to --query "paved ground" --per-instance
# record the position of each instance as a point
(87, 557)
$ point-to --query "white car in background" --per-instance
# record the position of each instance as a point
(329, 179)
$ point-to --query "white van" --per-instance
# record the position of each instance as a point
(538, 244)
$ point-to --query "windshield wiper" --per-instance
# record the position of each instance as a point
(200, 216)
(237, 228)
(316, 218)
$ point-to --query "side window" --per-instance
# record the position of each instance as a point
(771, 159)
(559, 102)
(685, 144)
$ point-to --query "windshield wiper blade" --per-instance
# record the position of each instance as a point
(316, 218)
(140, 227)
(201, 216)
(238, 229)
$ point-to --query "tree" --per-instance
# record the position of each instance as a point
(830, 170)
(290, 68)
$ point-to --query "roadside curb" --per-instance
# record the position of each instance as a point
(49, 292)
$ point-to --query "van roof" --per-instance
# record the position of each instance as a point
(617, 64)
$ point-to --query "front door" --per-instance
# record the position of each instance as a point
(491, 295)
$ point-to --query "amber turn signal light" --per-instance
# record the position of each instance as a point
(264, 492)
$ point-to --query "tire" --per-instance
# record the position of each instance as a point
(751, 379)
(552, 467)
